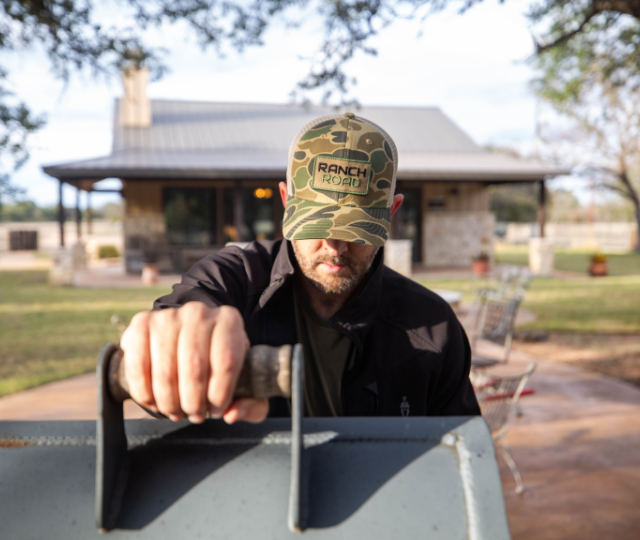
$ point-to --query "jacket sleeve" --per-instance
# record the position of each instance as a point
(455, 393)
(223, 278)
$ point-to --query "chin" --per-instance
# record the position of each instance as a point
(334, 284)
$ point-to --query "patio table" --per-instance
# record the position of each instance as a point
(452, 298)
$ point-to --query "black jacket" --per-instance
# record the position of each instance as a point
(411, 346)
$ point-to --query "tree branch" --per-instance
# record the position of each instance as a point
(540, 48)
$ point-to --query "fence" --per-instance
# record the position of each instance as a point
(23, 240)
(104, 233)
(604, 236)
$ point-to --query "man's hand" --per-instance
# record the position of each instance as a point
(186, 361)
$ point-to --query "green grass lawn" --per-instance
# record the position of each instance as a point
(50, 333)
(581, 304)
(620, 264)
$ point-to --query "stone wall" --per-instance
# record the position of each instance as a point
(397, 256)
(453, 239)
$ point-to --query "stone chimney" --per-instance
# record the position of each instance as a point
(135, 106)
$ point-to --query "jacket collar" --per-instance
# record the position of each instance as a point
(356, 317)
(281, 271)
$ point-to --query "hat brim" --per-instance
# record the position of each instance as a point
(306, 220)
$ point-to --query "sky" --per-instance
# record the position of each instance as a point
(472, 66)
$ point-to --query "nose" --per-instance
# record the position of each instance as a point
(335, 247)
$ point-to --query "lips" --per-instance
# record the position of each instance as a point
(331, 268)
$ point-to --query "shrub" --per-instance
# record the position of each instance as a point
(106, 252)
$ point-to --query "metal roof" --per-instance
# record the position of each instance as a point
(189, 139)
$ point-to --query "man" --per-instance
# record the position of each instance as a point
(375, 343)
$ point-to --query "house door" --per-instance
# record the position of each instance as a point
(406, 224)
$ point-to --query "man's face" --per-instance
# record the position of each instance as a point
(333, 266)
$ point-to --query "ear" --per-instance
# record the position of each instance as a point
(283, 193)
(397, 202)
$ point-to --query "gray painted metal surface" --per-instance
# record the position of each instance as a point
(244, 140)
(375, 478)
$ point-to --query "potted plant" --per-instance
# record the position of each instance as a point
(480, 264)
(598, 265)
(150, 270)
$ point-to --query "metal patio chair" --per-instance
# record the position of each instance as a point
(513, 280)
(498, 396)
(494, 320)
(512, 283)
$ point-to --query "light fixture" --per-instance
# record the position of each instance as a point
(261, 193)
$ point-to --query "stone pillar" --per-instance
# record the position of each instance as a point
(66, 262)
(541, 256)
(397, 256)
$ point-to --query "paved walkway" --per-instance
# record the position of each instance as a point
(71, 399)
(577, 446)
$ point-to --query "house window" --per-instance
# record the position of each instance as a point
(191, 216)
(258, 220)
(258, 213)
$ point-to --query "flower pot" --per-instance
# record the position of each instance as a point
(150, 274)
(480, 268)
(598, 269)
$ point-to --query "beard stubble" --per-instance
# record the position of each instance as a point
(331, 283)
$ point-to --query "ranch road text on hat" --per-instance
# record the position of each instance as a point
(341, 178)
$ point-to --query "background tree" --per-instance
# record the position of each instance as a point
(604, 123)
(514, 203)
(564, 207)
(73, 39)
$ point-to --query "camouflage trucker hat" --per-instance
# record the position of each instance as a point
(340, 181)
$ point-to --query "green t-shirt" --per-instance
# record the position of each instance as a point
(328, 355)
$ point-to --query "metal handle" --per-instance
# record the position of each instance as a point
(266, 373)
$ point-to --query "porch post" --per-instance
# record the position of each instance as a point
(61, 213)
(78, 216)
(238, 214)
(542, 210)
(89, 214)
(220, 216)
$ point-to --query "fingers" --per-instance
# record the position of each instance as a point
(229, 344)
(194, 344)
(186, 361)
(248, 410)
(137, 360)
(164, 331)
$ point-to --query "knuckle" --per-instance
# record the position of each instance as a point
(140, 318)
(230, 314)
(139, 323)
(164, 374)
(225, 363)
(197, 311)
(133, 367)
(164, 318)
(194, 367)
